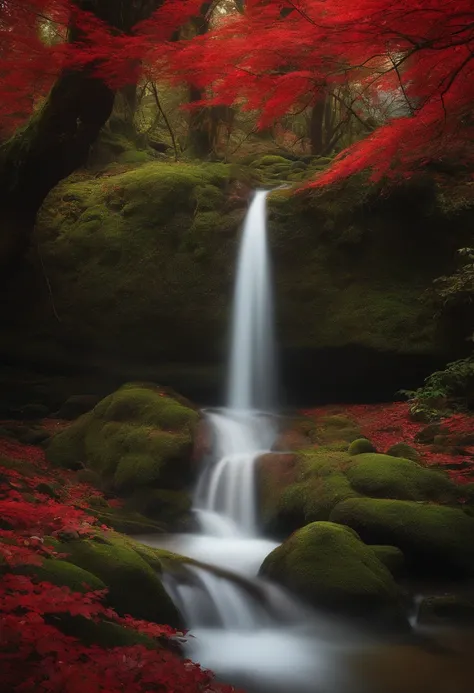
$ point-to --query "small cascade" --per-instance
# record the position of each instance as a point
(227, 487)
(213, 600)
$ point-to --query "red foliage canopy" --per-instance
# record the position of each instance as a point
(286, 53)
(277, 55)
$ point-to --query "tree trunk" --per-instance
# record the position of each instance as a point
(316, 129)
(200, 139)
(57, 139)
(122, 119)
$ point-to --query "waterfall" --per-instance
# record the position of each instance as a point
(225, 495)
(243, 628)
(252, 353)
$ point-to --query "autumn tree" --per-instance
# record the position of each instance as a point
(281, 55)
(103, 46)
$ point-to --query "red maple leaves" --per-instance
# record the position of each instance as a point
(34, 654)
(390, 423)
(410, 62)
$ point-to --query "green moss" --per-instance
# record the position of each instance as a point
(140, 260)
(135, 156)
(404, 450)
(337, 428)
(135, 403)
(317, 483)
(360, 445)
(392, 558)
(127, 521)
(167, 507)
(434, 539)
(63, 573)
(134, 587)
(87, 476)
(270, 160)
(328, 566)
(136, 437)
(66, 448)
(384, 476)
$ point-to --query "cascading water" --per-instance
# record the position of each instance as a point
(242, 432)
(261, 641)
(252, 352)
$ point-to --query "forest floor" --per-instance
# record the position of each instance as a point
(390, 423)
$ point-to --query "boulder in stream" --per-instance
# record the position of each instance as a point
(329, 567)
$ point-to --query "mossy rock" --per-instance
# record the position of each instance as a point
(435, 540)
(64, 574)
(270, 160)
(361, 445)
(137, 437)
(103, 633)
(335, 428)
(127, 521)
(392, 558)
(404, 450)
(134, 586)
(299, 488)
(328, 566)
(384, 476)
(168, 508)
(88, 476)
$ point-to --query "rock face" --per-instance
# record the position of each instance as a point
(138, 442)
(328, 566)
(140, 264)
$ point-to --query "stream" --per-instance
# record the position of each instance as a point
(249, 632)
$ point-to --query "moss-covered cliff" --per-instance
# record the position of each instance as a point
(135, 266)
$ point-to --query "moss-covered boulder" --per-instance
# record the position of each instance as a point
(404, 450)
(336, 428)
(383, 476)
(168, 507)
(328, 566)
(64, 574)
(134, 585)
(299, 488)
(435, 539)
(139, 437)
(391, 557)
(359, 446)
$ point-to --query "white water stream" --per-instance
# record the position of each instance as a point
(247, 631)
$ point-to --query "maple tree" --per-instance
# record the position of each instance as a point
(99, 46)
(284, 54)
(63, 60)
